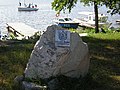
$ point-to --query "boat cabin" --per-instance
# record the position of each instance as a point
(66, 22)
(90, 16)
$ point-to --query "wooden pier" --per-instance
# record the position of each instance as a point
(86, 25)
(21, 30)
(117, 21)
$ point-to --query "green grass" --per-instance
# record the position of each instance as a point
(104, 72)
(13, 59)
(105, 60)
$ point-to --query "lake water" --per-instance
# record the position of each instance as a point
(43, 17)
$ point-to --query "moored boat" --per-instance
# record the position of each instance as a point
(66, 22)
(30, 7)
(27, 9)
(88, 19)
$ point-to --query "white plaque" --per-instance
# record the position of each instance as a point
(62, 38)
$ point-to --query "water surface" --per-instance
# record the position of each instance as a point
(43, 17)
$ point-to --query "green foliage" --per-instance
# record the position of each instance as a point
(90, 2)
(113, 5)
(60, 5)
(81, 30)
(92, 31)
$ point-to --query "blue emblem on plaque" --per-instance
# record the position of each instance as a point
(62, 35)
(62, 38)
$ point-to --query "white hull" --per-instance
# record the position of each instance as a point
(27, 9)
(66, 22)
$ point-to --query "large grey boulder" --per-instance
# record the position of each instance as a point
(47, 59)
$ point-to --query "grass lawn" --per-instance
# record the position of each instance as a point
(104, 72)
(13, 59)
(105, 61)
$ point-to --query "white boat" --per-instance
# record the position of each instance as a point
(27, 9)
(66, 22)
(24, 7)
(88, 19)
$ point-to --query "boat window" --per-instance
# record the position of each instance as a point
(68, 19)
(61, 20)
(93, 18)
(89, 17)
(103, 19)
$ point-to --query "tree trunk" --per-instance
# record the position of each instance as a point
(96, 17)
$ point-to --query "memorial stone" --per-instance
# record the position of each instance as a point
(58, 52)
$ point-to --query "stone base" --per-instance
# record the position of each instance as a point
(32, 86)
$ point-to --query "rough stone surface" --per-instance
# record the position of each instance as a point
(48, 60)
(32, 86)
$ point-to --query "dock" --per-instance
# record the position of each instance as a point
(117, 21)
(85, 25)
(21, 30)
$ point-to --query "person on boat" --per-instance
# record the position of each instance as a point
(19, 3)
(32, 6)
(35, 5)
(29, 5)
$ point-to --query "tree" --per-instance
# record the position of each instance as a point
(60, 5)
(114, 5)
(95, 3)
(96, 17)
